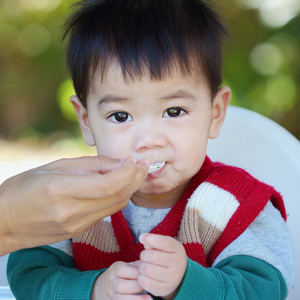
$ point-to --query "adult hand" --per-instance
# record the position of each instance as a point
(64, 199)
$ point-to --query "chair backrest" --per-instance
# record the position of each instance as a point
(5, 292)
(271, 154)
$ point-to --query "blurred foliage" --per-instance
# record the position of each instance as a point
(261, 65)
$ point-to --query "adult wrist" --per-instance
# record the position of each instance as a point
(3, 248)
(6, 241)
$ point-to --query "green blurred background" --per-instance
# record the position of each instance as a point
(261, 66)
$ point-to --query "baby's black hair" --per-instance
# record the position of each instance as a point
(144, 35)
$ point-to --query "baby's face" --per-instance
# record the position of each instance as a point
(166, 121)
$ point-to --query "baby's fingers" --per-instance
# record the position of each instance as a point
(126, 287)
(159, 258)
(159, 242)
(126, 271)
(156, 272)
(155, 287)
(131, 297)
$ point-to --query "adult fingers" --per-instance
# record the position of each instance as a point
(81, 165)
(95, 210)
(77, 217)
(128, 176)
(95, 186)
(136, 173)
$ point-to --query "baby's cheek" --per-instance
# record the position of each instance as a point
(191, 166)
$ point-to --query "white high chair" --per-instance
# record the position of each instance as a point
(5, 292)
(267, 151)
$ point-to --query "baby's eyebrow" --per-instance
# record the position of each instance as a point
(108, 99)
(180, 94)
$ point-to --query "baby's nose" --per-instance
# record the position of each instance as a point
(149, 138)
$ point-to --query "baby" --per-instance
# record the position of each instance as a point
(148, 75)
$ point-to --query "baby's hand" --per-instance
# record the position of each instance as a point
(162, 265)
(118, 282)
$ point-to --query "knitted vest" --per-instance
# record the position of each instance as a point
(218, 205)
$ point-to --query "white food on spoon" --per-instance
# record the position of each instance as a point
(155, 167)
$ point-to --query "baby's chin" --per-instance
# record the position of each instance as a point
(160, 186)
(154, 188)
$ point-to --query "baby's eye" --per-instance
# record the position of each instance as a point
(174, 112)
(120, 117)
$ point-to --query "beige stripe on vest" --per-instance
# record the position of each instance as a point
(101, 236)
(207, 213)
(203, 232)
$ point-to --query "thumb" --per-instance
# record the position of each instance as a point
(107, 164)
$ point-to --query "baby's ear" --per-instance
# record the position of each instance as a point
(83, 120)
(219, 109)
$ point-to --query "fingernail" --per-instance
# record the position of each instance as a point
(142, 238)
(147, 163)
(133, 159)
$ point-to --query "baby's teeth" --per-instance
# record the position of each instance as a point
(155, 167)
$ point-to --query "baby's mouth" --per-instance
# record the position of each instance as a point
(155, 166)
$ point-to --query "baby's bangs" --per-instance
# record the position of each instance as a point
(134, 66)
(143, 36)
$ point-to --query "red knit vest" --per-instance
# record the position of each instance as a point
(249, 198)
